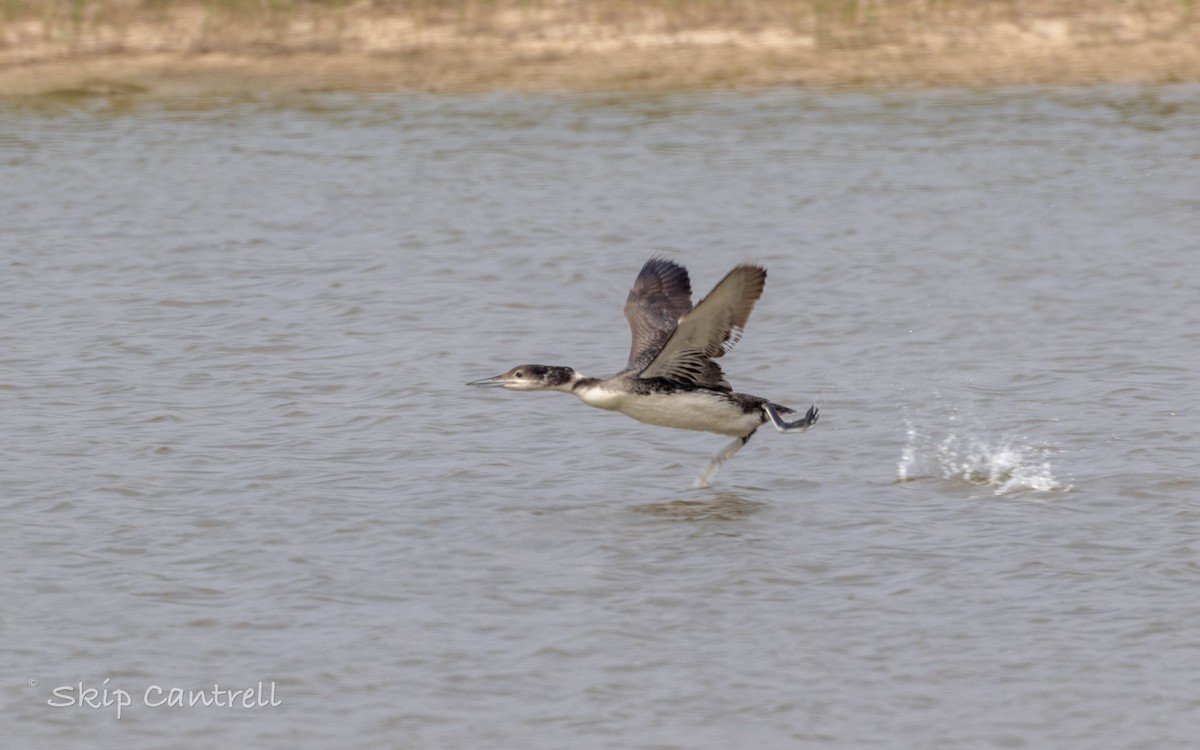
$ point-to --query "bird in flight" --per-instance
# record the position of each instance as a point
(672, 378)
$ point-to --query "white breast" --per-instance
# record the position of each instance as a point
(684, 410)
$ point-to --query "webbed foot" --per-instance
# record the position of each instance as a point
(800, 425)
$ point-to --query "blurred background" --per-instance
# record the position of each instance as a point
(135, 45)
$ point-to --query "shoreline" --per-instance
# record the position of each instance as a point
(192, 51)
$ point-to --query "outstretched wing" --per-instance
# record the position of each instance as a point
(708, 331)
(661, 295)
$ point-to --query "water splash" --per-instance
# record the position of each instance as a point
(1008, 465)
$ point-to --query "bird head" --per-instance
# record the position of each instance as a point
(533, 378)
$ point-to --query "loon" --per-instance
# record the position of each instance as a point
(671, 378)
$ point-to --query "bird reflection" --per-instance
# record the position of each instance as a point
(722, 506)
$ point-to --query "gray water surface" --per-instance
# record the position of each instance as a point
(237, 447)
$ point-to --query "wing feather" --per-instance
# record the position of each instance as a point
(708, 331)
(661, 295)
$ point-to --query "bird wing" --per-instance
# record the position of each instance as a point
(661, 295)
(708, 331)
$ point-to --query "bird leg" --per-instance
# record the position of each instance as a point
(726, 453)
(800, 425)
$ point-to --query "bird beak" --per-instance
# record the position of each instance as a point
(490, 382)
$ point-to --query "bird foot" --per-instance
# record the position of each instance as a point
(800, 425)
(726, 453)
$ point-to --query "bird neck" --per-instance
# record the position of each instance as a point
(565, 379)
(582, 382)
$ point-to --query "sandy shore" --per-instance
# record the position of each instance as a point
(193, 50)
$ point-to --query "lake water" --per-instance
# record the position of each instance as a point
(237, 447)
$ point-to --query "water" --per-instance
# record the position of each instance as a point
(238, 449)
